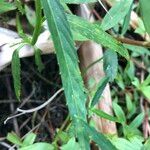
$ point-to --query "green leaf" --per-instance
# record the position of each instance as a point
(146, 145)
(63, 137)
(95, 33)
(38, 146)
(129, 104)
(12, 137)
(20, 29)
(124, 144)
(137, 50)
(102, 114)
(126, 21)
(19, 5)
(146, 91)
(119, 113)
(110, 64)
(6, 6)
(38, 59)
(116, 14)
(146, 81)
(98, 138)
(137, 121)
(38, 23)
(68, 63)
(29, 139)
(145, 12)
(15, 67)
(72, 144)
(130, 70)
(100, 88)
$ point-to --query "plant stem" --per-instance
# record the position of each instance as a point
(133, 42)
(38, 22)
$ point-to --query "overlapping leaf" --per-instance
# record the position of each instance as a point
(145, 12)
(95, 33)
(68, 63)
(6, 6)
(116, 14)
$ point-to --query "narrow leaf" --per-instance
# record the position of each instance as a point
(104, 115)
(95, 33)
(68, 63)
(117, 13)
(98, 138)
(30, 14)
(29, 139)
(110, 64)
(15, 65)
(12, 137)
(145, 12)
(137, 121)
(101, 86)
(119, 113)
(38, 146)
(126, 21)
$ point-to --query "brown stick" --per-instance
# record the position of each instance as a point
(88, 53)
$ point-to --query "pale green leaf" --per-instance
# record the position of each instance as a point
(95, 33)
(119, 113)
(38, 146)
(12, 137)
(130, 70)
(71, 145)
(146, 81)
(104, 115)
(29, 139)
(146, 91)
(124, 144)
(126, 21)
(137, 50)
(145, 12)
(146, 145)
(116, 14)
(137, 121)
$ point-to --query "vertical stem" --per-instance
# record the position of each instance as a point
(38, 22)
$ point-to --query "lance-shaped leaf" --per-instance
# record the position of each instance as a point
(102, 142)
(117, 13)
(15, 65)
(110, 64)
(145, 12)
(100, 88)
(68, 63)
(94, 32)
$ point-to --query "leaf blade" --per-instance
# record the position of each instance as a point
(68, 63)
(95, 33)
